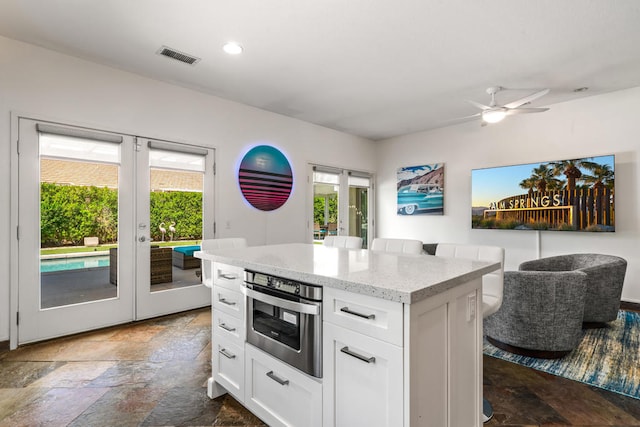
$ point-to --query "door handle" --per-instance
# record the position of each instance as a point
(142, 239)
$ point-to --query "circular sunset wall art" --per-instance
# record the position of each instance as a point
(265, 178)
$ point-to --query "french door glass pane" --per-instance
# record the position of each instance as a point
(78, 220)
(359, 212)
(175, 206)
(325, 204)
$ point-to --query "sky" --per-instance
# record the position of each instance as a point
(413, 171)
(494, 184)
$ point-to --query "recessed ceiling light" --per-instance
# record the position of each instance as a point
(232, 48)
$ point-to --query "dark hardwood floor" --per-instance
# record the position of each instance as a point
(154, 373)
(525, 397)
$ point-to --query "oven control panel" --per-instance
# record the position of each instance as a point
(284, 285)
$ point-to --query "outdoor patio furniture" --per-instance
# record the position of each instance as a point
(183, 257)
(160, 269)
(318, 231)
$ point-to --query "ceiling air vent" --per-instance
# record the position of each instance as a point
(177, 55)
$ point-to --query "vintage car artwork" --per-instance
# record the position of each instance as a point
(419, 197)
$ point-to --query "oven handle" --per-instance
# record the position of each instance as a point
(283, 303)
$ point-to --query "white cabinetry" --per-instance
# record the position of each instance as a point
(362, 361)
(392, 364)
(228, 329)
(279, 394)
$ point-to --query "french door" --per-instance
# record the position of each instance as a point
(342, 203)
(175, 189)
(87, 257)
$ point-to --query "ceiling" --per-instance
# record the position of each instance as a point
(374, 68)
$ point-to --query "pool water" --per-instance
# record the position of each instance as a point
(76, 263)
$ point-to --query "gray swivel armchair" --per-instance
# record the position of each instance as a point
(605, 277)
(541, 313)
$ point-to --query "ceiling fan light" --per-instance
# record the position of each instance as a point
(493, 116)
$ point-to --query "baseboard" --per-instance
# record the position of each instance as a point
(630, 306)
(4, 345)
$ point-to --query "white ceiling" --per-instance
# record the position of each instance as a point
(374, 68)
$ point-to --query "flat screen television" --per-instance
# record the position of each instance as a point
(562, 195)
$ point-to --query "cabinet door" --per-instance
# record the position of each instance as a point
(363, 383)
(228, 366)
(279, 394)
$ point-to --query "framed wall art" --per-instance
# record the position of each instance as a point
(421, 190)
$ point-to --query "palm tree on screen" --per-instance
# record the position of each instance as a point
(601, 176)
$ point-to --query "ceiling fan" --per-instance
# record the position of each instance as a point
(493, 113)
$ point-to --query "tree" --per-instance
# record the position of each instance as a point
(570, 169)
(602, 176)
(544, 177)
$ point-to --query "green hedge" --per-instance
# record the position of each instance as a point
(319, 209)
(68, 214)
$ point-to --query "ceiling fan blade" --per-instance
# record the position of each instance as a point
(473, 116)
(462, 119)
(477, 104)
(526, 110)
(527, 99)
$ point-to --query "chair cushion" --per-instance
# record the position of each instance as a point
(187, 250)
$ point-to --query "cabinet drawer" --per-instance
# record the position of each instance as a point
(228, 366)
(229, 301)
(375, 317)
(228, 326)
(228, 276)
(279, 394)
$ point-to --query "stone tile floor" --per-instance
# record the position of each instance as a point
(154, 373)
(150, 373)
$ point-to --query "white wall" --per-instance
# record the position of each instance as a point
(596, 125)
(43, 83)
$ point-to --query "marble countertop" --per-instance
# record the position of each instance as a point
(395, 277)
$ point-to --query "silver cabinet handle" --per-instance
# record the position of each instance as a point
(226, 301)
(228, 276)
(226, 328)
(283, 303)
(225, 353)
(277, 379)
(355, 313)
(351, 353)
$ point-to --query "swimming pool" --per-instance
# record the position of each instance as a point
(73, 263)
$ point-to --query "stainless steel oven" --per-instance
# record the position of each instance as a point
(284, 319)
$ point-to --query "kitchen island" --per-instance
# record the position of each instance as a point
(401, 338)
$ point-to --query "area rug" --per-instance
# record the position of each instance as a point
(608, 357)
